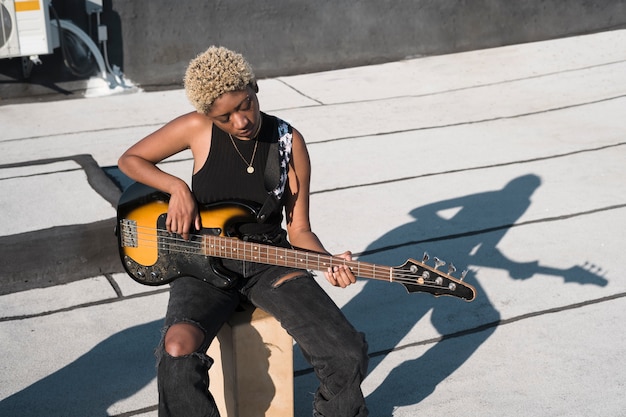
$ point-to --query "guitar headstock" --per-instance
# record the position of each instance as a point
(420, 277)
(586, 274)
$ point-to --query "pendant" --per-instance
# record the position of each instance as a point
(250, 169)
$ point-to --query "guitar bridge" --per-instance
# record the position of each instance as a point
(128, 236)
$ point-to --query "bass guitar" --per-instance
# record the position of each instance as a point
(153, 256)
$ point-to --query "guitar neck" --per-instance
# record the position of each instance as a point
(232, 248)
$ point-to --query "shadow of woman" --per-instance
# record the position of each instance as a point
(113, 370)
(469, 228)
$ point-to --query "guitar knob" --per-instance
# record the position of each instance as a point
(154, 274)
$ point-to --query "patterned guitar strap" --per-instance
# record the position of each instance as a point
(276, 170)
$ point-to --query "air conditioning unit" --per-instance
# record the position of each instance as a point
(25, 29)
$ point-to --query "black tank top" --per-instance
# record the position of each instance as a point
(224, 178)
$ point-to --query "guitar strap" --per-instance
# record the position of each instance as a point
(276, 169)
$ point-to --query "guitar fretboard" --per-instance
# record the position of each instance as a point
(232, 248)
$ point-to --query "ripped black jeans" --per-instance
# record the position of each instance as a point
(335, 350)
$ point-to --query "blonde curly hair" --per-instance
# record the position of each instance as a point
(214, 72)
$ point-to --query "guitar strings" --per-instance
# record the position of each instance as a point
(177, 244)
(151, 238)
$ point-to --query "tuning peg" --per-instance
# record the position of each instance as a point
(439, 262)
(592, 267)
(463, 275)
(451, 268)
(425, 258)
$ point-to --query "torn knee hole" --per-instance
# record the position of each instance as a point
(288, 277)
(183, 338)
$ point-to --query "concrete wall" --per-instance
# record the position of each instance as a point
(283, 37)
(153, 40)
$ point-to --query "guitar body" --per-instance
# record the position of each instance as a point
(153, 256)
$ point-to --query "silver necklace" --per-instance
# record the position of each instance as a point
(250, 169)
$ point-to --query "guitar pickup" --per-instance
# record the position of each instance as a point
(213, 231)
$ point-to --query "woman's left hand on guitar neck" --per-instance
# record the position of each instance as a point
(341, 276)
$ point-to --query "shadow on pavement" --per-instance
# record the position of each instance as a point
(113, 370)
(467, 229)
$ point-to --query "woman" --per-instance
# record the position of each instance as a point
(232, 142)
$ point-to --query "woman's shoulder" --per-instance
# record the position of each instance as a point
(191, 125)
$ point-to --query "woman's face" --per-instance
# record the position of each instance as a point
(237, 113)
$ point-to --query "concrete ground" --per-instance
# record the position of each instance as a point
(509, 162)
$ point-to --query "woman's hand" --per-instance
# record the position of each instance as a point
(341, 276)
(182, 213)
